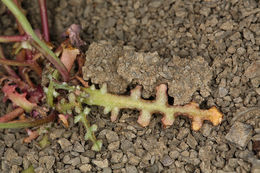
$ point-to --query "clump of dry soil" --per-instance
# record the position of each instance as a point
(121, 67)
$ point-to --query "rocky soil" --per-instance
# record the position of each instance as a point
(206, 51)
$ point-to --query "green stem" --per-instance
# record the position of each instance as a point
(44, 48)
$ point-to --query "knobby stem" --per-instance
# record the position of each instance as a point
(30, 32)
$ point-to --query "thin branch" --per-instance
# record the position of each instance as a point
(10, 71)
(13, 38)
(28, 123)
(14, 62)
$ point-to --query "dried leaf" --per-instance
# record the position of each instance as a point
(64, 120)
(68, 56)
(73, 32)
(31, 135)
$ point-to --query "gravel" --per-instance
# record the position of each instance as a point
(240, 134)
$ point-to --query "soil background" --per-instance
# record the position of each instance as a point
(226, 34)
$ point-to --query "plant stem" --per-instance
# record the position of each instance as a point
(26, 124)
(44, 19)
(14, 62)
(11, 115)
(13, 38)
(34, 66)
(19, 27)
(43, 47)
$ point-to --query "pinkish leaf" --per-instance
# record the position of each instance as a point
(68, 56)
(17, 99)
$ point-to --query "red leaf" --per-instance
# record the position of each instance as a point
(17, 99)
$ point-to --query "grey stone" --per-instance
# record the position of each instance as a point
(133, 159)
(75, 161)
(11, 156)
(111, 136)
(131, 169)
(155, 3)
(183, 146)
(117, 166)
(65, 144)
(2, 148)
(191, 141)
(174, 154)
(116, 157)
(129, 135)
(66, 159)
(48, 161)
(222, 147)
(19, 146)
(57, 133)
(205, 153)
(222, 92)
(183, 132)
(227, 26)
(233, 162)
(241, 50)
(185, 153)
(256, 167)
(240, 134)
(9, 139)
(107, 170)
(152, 169)
(248, 34)
(206, 129)
(252, 70)
(166, 160)
(90, 153)
(78, 147)
(205, 11)
(101, 163)
(84, 159)
(113, 146)
(205, 167)
(126, 145)
(85, 168)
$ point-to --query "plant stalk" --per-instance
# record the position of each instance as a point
(44, 20)
(9, 70)
(11, 115)
(27, 124)
(13, 38)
